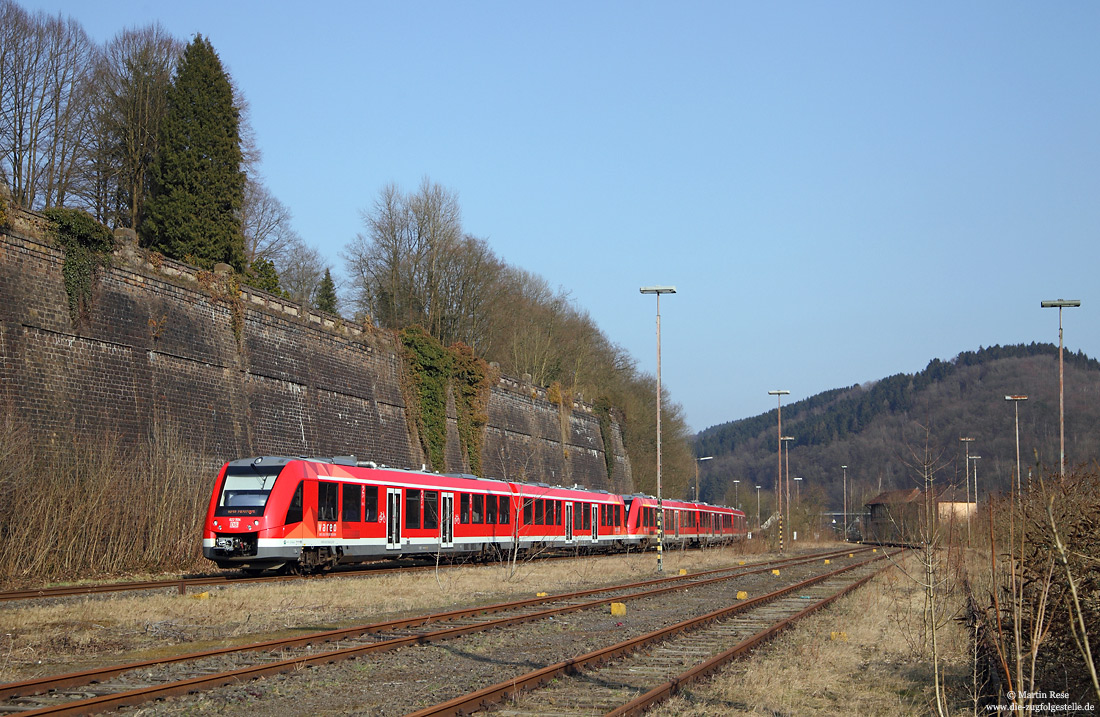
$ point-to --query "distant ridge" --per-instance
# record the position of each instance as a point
(874, 427)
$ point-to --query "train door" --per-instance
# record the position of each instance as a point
(595, 522)
(568, 522)
(676, 521)
(447, 521)
(393, 518)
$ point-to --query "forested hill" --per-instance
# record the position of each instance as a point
(875, 428)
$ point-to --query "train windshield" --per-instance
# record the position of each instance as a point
(246, 489)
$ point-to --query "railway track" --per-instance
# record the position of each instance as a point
(631, 676)
(116, 686)
(182, 585)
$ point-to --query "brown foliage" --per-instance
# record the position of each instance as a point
(94, 509)
(1025, 535)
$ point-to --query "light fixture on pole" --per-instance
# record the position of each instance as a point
(736, 498)
(1016, 403)
(658, 290)
(845, 524)
(758, 508)
(798, 489)
(779, 446)
(1061, 304)
(697, 462)
(787, 477)
(967, 442)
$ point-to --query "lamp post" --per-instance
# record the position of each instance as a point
(1061, 304)
(758, 507)
(697, 462)
(779, 446)
(736, 499)
(787, 478)
(967, 442)
(798, 490)
(845, 525)
(1016, 403)
(658, 290)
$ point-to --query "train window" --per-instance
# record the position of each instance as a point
(412, 509)
(352, 511)
(528, 511)
(245, 489)
(618, 515)
(557, 512)
(431, 509)
(294, 512)
(479, 509)
(578, 519)
(587, 516)
(540, 511)
(464, 509)
(328, 495)
(370, 504)
(505, 509)
(490, 510)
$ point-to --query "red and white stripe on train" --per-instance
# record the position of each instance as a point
(312, 513)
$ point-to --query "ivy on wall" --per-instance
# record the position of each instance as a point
(603, 413)
(472, 379)
(430, 368)
(226, 290)
(88, 246)
(556, 396)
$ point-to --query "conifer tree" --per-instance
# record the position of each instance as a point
(326, 294)
(263, 275)
(197, 184)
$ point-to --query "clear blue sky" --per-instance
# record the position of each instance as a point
(840, 191)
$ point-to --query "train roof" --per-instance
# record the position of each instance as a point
(529, 489)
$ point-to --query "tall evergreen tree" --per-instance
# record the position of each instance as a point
(326, 294)
(197, 184)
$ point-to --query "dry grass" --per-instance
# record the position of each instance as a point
(861, 656)
(68, 634)
(77, 509)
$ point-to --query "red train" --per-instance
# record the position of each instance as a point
(313, 513)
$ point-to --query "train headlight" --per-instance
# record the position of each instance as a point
(217, 525)
(256, 523)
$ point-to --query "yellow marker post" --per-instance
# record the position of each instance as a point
(826, 561)
(775, 572)
(540, 594)
(618, 609)
(683, 571)
(742, 595)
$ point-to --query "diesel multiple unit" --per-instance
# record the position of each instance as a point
(309, 514)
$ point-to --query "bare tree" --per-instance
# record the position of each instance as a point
(132, 79)
(44, 66)
(405, 268)
(301, 270)
(265, 222)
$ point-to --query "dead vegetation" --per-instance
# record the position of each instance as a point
(80, 509)
(68, 633)
(1036, 608)
(864, 655)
